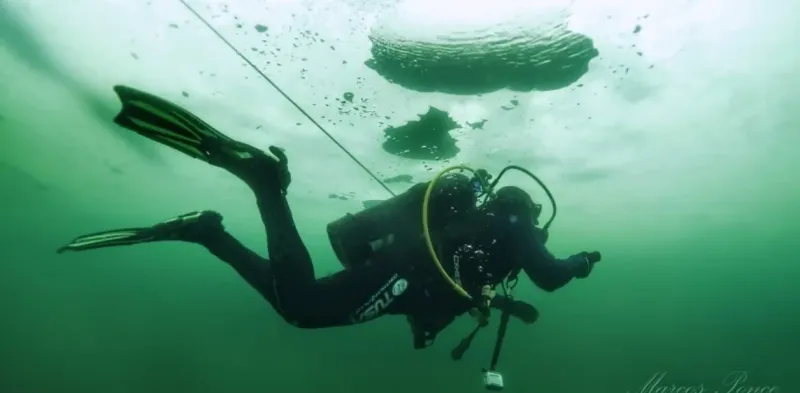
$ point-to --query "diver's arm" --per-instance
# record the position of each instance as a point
(550, 273)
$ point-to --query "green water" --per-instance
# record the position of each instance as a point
(675, 155)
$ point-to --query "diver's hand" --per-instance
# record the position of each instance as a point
(586, 261)
(517, 308)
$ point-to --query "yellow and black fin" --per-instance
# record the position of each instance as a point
(167, 123)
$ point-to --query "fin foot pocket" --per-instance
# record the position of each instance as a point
(189, 227)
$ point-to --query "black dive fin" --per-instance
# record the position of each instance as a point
(110, 238)
(167, 123)
(186, 227)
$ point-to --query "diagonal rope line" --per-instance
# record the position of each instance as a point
(288, 98)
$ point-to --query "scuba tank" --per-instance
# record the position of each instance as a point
(397, 222)
(357, 238)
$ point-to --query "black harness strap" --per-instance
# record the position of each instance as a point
(458, 352)
(501, 335)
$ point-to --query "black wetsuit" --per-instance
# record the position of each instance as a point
(400, 281)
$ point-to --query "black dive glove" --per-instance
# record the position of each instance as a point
(525, 312)
(585, 262)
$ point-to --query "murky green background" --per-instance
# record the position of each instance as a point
(675, 155)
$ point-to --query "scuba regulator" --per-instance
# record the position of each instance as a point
(492, 380)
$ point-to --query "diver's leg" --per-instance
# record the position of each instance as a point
(290, 269)
(290, 262)
(266, 173)
(251, 267)
(289, 282)
(348, 297)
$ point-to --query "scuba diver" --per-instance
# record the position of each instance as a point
(387, 259)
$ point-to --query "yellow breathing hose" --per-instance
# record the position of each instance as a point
(426, 230)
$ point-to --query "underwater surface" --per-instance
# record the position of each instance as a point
(667, 131)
